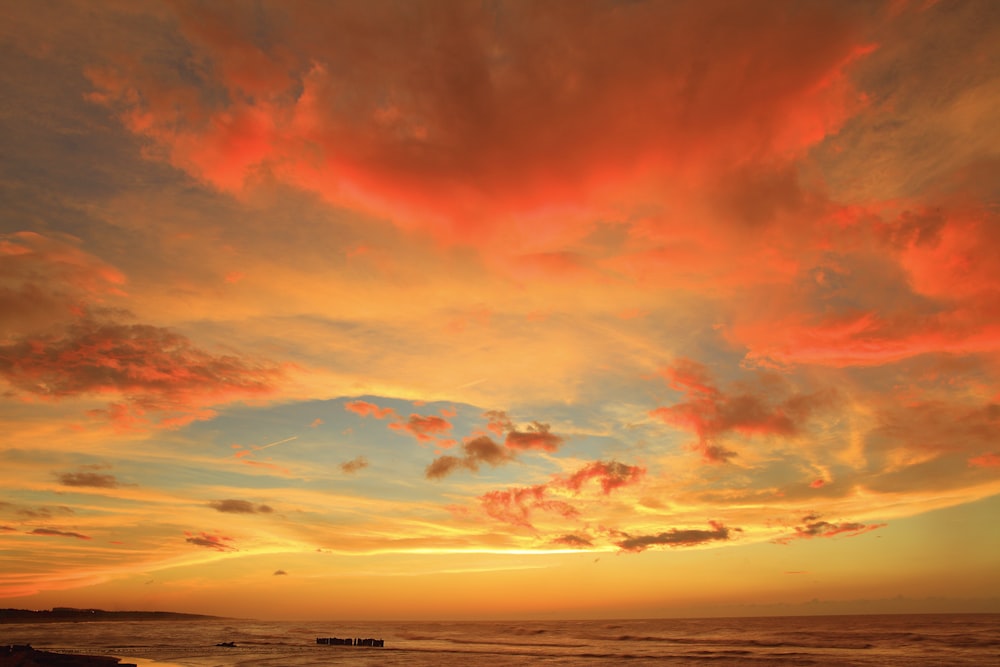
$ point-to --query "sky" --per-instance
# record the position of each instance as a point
(501, 309)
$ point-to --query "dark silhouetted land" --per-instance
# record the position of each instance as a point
(64, 614)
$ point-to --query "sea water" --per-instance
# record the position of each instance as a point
(925, 639)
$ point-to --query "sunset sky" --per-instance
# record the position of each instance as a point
(476, 309)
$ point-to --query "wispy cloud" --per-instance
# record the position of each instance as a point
(769, 408)
(812, 526)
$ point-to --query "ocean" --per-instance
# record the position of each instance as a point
(910, 640)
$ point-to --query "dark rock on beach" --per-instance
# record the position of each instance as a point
(25, 656)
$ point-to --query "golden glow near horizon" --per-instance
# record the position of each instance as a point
(462, 309)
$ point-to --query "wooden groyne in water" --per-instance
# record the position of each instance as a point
(357, 641)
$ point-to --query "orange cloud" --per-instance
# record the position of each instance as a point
(365, 409)
(48, 280)
(937, 427)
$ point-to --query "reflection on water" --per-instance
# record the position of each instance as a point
(861, 641)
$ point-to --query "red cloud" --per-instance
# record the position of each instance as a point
(423, 428)
(920, 283)
(711, 413)
(475, 133)
(991, 460)
(268, 466)
(364, 408)
(610, 474)
(217, 542)
(159, 371)
(515, 506)
(537, 436)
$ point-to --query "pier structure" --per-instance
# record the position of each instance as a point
(357, 641)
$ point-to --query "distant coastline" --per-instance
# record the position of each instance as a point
(72, 614)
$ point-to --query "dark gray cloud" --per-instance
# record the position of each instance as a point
(52, 532)
(43, 512)
(812, 526)
(354, 465)
(92, 479)
(536, 436)
(677, 538)
(234, 506)
(478, 450)
(210, 541)
(574, 541)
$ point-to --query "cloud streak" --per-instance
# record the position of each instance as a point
(236, 506)
(52, 532)
(676, 537)
(210, 541)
